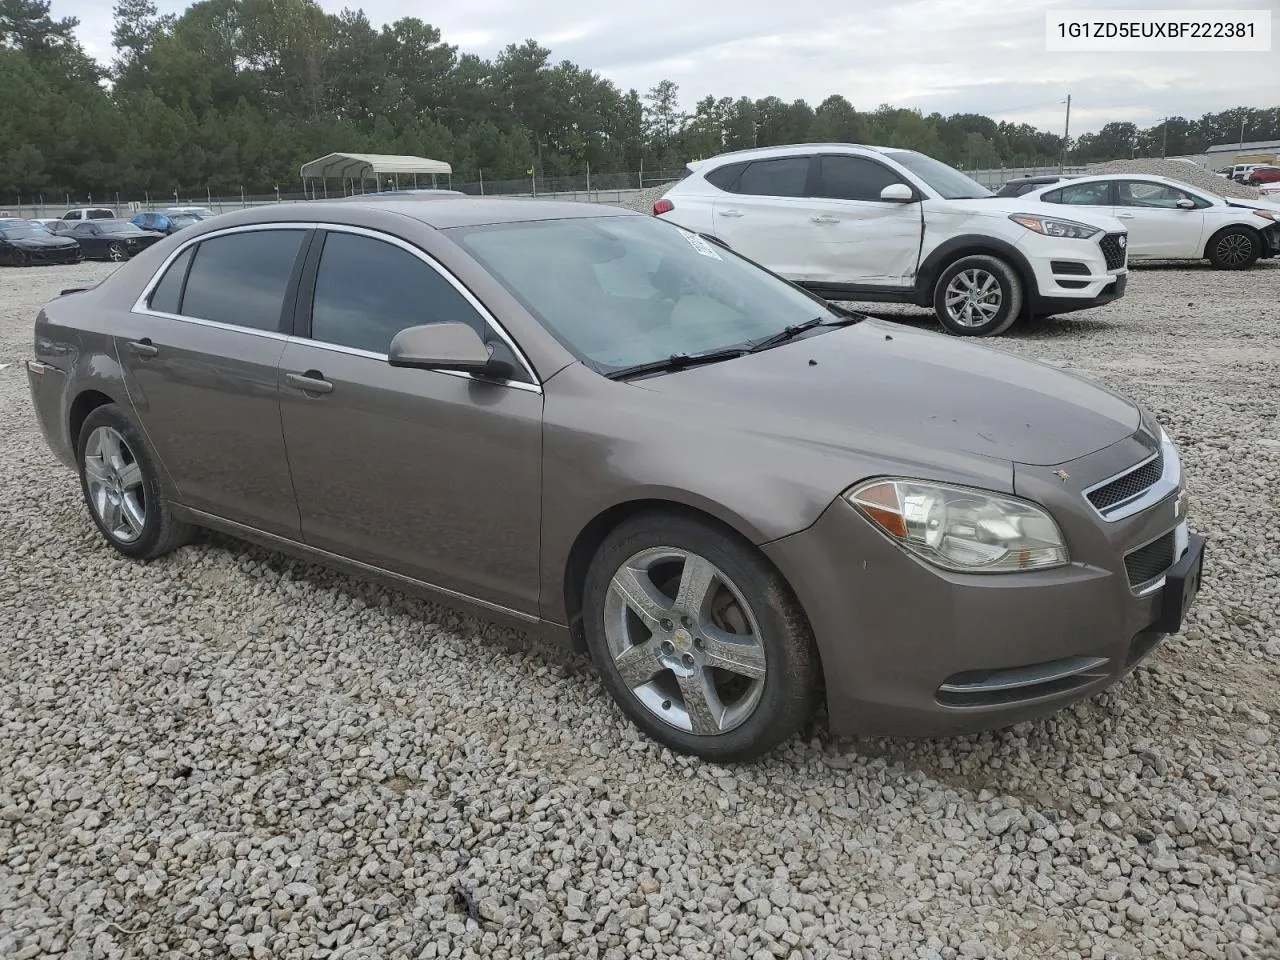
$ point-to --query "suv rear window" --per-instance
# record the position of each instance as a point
(726, 177)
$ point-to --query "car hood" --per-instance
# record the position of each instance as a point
(1259, 204)
(886, 379)
(43, 242)
(1004, 206)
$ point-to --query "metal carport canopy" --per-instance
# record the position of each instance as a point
(358, 166)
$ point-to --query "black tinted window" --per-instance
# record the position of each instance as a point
(101, 215)
(726, 177)
(85, 229)
(784, 177)
(167, 295)
(241, 278)
(367, 291)
(853, 178)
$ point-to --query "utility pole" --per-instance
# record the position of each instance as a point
(1165, 148)
(1066, 137)
(1242, 120)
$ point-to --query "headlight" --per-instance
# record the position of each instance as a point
(1271, 215)
(961, 529)
(1050, 227)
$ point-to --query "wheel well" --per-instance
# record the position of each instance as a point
(1257, 235)
(980, 250)
(81, 407)
(592, 535)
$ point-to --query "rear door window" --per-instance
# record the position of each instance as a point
(780, 177)
(241, 278)
(167, 295)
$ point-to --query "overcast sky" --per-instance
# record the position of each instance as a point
(980, 56)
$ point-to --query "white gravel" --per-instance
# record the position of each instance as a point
(228, 753)
(1188, 173)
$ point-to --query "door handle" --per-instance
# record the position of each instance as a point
(1124, 216)
(729, 213)
(824, 219)
(143, 347)
(310, 382)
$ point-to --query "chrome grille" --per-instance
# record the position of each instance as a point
(1146, 563)
(1127, 486)
(1113, 250)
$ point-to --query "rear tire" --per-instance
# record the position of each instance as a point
(728, 668)
(121, 487)
(1235, 248)
(977, 296)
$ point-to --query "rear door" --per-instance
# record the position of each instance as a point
(432, 475)
(861, 238)
(201, 353)
(766, 215)
(1158, 227)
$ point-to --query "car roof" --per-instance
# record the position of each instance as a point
(752, 153)
(440, 213)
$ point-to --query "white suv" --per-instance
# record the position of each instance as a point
(853, 222)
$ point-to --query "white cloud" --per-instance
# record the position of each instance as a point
(981, 56)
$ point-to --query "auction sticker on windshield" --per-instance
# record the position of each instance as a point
(704, 248)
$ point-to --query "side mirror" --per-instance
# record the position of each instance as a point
(440, 346)
(1185, 203)
(897, 193)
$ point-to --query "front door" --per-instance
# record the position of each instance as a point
(432, 475)
(861, 238)
(1158, 227)
(201, 364)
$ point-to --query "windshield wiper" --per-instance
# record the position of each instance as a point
(793, 331)
(677, 361)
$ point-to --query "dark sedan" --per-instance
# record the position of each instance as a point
(112, 239)
(23, 244)
(165, 223)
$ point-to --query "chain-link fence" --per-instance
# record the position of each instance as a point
(595, 188)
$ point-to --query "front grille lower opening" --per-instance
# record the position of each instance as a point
(1147, 563)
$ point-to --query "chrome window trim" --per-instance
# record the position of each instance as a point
(1169, 482)
(141, 305)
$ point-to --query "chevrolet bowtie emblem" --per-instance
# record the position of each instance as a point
(1062, 475)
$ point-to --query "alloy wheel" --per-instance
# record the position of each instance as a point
(684, 640)
(1235, 248)
(117, 253)
(973, 297)
(116, 490)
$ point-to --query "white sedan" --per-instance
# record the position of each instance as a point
(1171, 220)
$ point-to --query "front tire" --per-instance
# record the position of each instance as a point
(116, 253)
(698, 639)
(121, 487)
(977, 296)
(1235, 248)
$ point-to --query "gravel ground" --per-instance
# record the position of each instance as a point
(228, 753)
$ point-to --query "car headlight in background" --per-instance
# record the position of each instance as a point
(960, 529)
(1051, 227)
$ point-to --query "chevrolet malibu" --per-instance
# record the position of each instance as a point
(736, 498)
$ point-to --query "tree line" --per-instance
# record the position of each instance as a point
(237, 94)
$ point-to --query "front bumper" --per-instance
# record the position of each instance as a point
(46, 255)
(1071, 274)
(910, 650)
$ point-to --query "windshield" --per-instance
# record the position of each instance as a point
(948, 182)
(623, 291)
(23, 233)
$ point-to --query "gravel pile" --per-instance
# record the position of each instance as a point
(644, 200)
(1188, 173)
(229, 753)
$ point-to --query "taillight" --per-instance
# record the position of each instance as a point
(663, 206)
